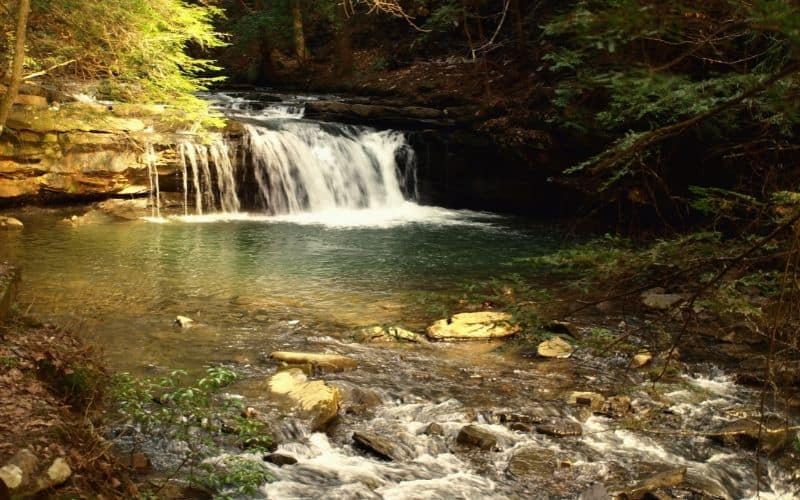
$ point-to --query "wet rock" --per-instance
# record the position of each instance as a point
(183, 322)
(125, 209)
(591, 400)
(554, 348)
(385, 448)
(487, 325)
(533, 416)
(279, 459)
(520, 426)
(662, 480)
(317, 400)
(616, 407)
(563, 327)
(771, 437)
(472, 435)
(595, 492)
(11, 224)
(655, 298)
(327, 362)
(356, 400)
(560, 428)
(434, 429)
(532, 463)
(641, 360)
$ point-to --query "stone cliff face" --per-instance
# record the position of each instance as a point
(81, 150)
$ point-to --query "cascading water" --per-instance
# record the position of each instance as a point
(306, 166)
(150, 159)
(209, 187)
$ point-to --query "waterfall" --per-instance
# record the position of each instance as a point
(150, 159)
(290, 165)
(213, 176)
(306, 166)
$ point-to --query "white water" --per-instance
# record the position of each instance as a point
(150, 159)
(213, 176)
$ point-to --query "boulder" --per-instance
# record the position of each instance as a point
(35, 101)
(385, 448)
(434, 429)
(554, 348)
(472, 435)
(615, 407)
(486, 325)
(641, 359)
(315, 399)
(770, 437)
(559, 428)
(11, 224)
(532, 463)
(279, 459)
(328, 362)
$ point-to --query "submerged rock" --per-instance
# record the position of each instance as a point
(382, 446)
(472, 435)
(485, 325)
(11, 224)
(389, 334)
(555, 348)
(662, 480)
(532, 462)
(315, 399)
(329, 362)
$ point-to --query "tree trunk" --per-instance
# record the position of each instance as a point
(7, 101)
(300, 49)
(519, 33)
(344, 51)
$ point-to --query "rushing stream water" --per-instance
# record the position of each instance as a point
(342, 246)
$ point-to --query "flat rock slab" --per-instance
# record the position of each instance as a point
(383, 447)
(532, 463)
(317, 400)
(329, 362)
(555, 348)
(488, 325)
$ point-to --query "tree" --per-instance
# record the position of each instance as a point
(23, 9)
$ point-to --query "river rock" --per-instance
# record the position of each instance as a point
(773, 436)
(389, 334)
(487, 325)
(641, 359)
(11, 224)
(563, 327)
(328, 362)
(472, 435)
(183, 322)
(279, 459)
(385, 448)
(434, 429)
(532, 462)
(662, 480)
(17, 473)
(592, 400)
(615, 407)
(316, 399)
(559, 428)
(655, 298)
(554, 348)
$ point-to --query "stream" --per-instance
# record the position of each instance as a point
(322, 238)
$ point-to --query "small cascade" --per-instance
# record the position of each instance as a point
(212, 175)
(308, 166)
(150, 159)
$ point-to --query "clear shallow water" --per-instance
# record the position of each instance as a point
(308, 282)
(239, 274)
